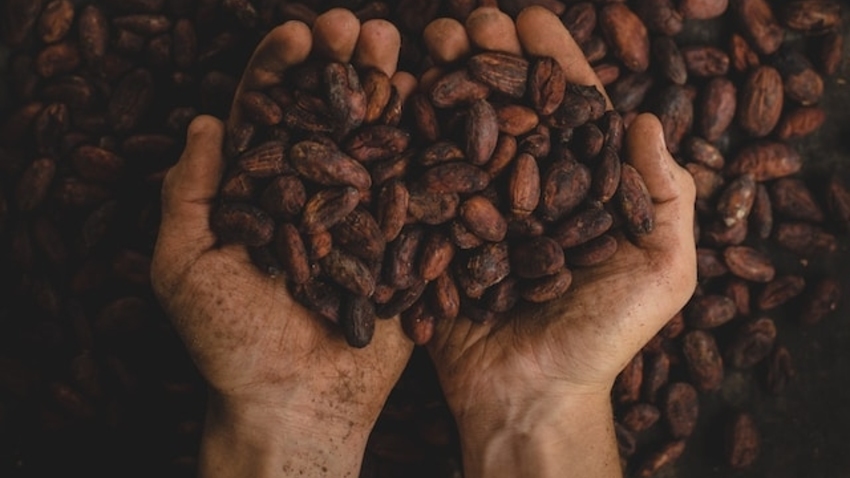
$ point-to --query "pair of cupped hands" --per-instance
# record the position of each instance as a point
(530, 393)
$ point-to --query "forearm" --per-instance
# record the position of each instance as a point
(545, 439)
(259, 442)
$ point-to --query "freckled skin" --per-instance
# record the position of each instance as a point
(287, 393)
(576, 345)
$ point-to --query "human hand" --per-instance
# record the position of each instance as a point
(287, 392)
(538, 382)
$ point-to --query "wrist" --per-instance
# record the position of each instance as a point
(256, 438)
(541, 437)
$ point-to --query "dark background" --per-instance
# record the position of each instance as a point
(805, 431)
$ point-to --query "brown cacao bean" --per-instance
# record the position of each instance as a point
(829, 52)
(640, 417)
(780, 370)
(418, 323)
(349, 272)
(503, 296)
(736, 201)
(681, 409)
(457, 88)
(669, 59)
(402, 300)
(780, 291)
(607, 177)
(489, 264)
(705, 364)
(748, 263)
(34, 184)
(437, 253)
(516, 120)
(293, 254)
(580, 20)
(799, 122)
(445, 297)
(582, 227)
(627, 34)
(399, 269)
(433, 208)
(547, 84)
(130, 100)
(393, 203)
(242, 223)
(324, 165)
(500, 71)
(705, 61)
(743, 57)
(790, 197)
(538, 257)
(823, 299)
(804, 239)
(759, 24)
(359, 234)
(635, 203)
(675, 108)
(710, 264)
(760, 105)
(709, 311)
(701, 151)
(743, 443)
(703, 9)
(629, 91)
(765, 161)
(284, 197)
(707, 181)
(524, 185)
(665, 456)
(717, 108)
(377, 143)
(751, 344)
(812, 17)
(565, 185)
(357, 317)
(660, 16)
(482, 132)
(454, 177)
(327, 208)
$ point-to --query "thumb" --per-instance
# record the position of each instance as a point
(670, 186)
(189, 189)
(647, 152)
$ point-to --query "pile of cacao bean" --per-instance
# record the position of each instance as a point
(424, 232)
(95, 99)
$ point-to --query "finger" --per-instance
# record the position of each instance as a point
(335, 34)
(378, 47)
(492, 29)
(542, 33)
(285, 46)
(405, 84)
(446, 40)
(188, 192)
(646, 150)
